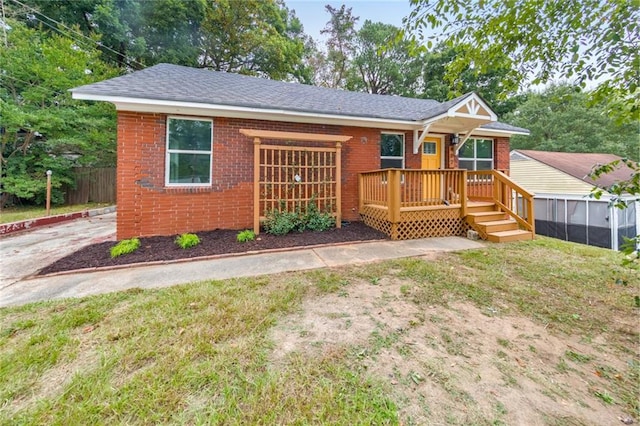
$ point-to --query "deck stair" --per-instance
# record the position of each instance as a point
(493, 224)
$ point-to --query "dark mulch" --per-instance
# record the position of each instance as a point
(216, 242)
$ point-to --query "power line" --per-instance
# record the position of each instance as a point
(99, 44)
(32, 84)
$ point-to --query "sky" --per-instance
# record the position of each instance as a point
(314, 17)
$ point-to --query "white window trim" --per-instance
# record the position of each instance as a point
(387, 157)
(475, 155)
(168, 153)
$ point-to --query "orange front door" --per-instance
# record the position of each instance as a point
(431, 184)
(431, 153)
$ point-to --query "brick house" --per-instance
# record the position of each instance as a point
(197, 149)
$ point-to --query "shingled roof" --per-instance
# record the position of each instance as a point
(165, 82)
(579, 165)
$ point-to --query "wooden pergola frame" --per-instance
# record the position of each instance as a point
(259, 135)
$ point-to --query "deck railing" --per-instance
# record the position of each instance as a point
(400, 189)
(496, 186)
(396, 189)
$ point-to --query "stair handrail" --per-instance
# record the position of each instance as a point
(502, 181)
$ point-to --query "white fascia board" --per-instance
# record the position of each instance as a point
(498, 133)
(193, 108)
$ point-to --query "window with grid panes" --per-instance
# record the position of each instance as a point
(189, 152)
(476, 154)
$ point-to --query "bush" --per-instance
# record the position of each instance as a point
(320, 222)
(280, 222)
(125, 247)
(186, 241)
(315, 220)
(246, 235)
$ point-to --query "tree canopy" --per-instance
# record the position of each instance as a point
(591, 42)
(382, 63)
(42, 127)
(562, 119)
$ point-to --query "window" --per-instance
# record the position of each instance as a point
(429, 148)
(392, 151)
(189, 153)
(476, 154)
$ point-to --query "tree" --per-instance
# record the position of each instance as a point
(382, 63)
(256, 37)
(589, 41)
(621, 190)
(488, 83)
(561, 119)
(42, 127)
(341, 30)
(113, 24)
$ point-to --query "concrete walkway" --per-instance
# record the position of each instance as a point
(24, 253)
(164, 275)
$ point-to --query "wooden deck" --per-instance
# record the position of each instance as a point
(409, 204)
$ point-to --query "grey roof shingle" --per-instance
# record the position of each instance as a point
(183, 84)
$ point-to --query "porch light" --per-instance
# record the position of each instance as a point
(455, 139)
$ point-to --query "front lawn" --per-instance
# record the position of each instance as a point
(540, 332)
(15, 214)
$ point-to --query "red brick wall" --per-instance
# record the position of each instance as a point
(146, 207)
(501, 153)
(450, 157)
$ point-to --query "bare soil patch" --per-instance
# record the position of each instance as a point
(457, 364)
(217, 242)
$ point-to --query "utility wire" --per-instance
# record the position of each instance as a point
(32, 84)
(99, 44)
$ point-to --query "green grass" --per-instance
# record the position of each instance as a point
(15, 214)
(202, 353)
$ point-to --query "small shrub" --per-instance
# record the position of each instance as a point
(246, 235)
(186, 241)
(281, 222)
(125, 247)
(320, 222)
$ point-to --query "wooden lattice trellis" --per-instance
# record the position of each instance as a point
(416, 223)
(288, 177)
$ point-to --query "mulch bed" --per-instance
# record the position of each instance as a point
(218, 242)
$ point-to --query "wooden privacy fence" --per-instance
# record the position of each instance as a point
(92, 185)
(289, 177)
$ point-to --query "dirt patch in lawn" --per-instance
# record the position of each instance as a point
(218, 242)
(457, 364)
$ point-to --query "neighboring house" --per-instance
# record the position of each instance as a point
(563, 207)
(200, 150)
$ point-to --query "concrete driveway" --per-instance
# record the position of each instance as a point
(23, 254)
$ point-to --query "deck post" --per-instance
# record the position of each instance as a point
(360, 192)
(393, 186)
(256, 185)
(338, 184)
(497, 187)
(463, 193)
(530, 213)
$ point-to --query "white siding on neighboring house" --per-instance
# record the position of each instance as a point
(537, 177)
